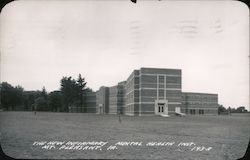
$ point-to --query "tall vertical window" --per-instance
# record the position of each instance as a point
(161, 79)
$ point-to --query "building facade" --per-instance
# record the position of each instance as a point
(153, 91)
(117, 98)
(200, 103)
(102, 100)
(90, 102)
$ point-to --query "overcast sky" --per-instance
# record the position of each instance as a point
(41, 41)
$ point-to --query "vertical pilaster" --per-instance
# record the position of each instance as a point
(157, 87)
(165, 86)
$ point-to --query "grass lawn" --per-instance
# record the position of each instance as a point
(226, 136)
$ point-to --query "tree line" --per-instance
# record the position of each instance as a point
(223, 110)
(71, 94)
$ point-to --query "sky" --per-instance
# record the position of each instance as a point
(104, 41)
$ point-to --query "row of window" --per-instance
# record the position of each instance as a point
(153, 80)
(199, 103)
(204, 98)
(193, 111)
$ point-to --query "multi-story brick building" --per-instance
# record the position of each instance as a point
(153, 91)
(117, 98)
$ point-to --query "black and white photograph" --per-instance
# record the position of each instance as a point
(121, 79)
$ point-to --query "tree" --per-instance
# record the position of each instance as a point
(6, 95)
(221, 109)
(44, 93)
(73, 92)
(55, 101)
(41, 104)
(69, 90)
(241, 109)
(18, 96)
(29, 99)
(81, 85)
(11, 96)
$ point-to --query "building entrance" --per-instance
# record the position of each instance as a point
(161, 107)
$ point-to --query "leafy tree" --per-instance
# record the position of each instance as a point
(69, 90)
(18, 96)
(6, 95)
(11, 96)
(233, 110)
(29, 99)
(221, 109)
(41, 101)
(41, 104)
(241, 109)
(73, 92)
(55, 101)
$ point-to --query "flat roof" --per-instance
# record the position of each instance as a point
(160, 68)
(199, 93)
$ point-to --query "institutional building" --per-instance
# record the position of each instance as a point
(199, 103)
(152, 91)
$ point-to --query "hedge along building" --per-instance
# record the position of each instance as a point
(152, 91)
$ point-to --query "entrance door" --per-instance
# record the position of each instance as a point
(161, 107)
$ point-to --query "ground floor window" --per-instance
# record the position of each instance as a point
(192, 111)
(201, 111)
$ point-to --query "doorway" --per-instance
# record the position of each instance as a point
(161, 107)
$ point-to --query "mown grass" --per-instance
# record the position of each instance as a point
(227, 135)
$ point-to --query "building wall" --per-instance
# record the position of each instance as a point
(90, 102)
(113, 100)
(132, 98)
(121, 97)
(117, 98)
(102, 100)
(200, 103)
(159, 84)
(143, 88)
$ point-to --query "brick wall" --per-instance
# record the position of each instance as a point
(200, 103)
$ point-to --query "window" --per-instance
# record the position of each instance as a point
(161, 79)
(192, 111)
(161, 93)
(161, 85)
(201, 111)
